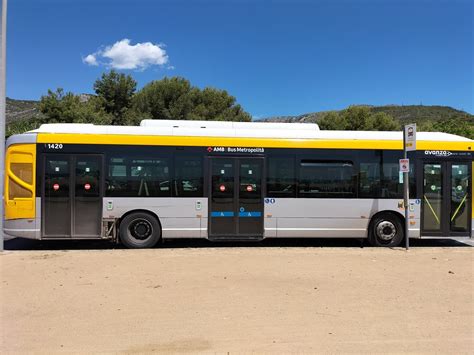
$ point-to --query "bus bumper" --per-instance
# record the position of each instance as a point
(22, 228)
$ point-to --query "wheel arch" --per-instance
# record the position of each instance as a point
(397, 214)
(141, 210)
(151, 240)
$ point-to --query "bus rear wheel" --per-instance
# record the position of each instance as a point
(139, 230)
(386, 230)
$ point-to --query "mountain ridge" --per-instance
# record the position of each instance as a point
(402, 113)
(24, 110)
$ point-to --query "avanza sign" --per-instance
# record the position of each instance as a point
(439, 153)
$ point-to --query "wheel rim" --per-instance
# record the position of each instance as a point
(385, 231)
(140, 229)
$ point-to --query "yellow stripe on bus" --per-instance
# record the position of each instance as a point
(117, 139)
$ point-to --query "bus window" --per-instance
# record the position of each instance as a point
(369, 180)
(138, 177)
(188, 177)
(391, 184)
(149, 177)
(281, 177)
(329, 179)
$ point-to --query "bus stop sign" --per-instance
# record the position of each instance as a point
(410, 137)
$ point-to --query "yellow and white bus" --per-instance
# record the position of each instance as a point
(232, 181)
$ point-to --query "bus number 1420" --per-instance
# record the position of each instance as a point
(56, 146)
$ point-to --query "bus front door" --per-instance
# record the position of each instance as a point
(236, 198)
(446, 200)
(72, 196)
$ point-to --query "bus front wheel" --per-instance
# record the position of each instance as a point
(139, 230)
(386, 230)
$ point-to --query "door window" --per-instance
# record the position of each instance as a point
(57, 178)
(87, 177)
(459, 211)
(250, 180)
(432, 197)
(223, 179)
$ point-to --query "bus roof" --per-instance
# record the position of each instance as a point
(228, 124)
(234, 129)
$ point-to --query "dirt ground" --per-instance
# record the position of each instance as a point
(239, 299)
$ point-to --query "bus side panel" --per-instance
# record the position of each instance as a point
(472, 201)
(184, 217)
(331, 218)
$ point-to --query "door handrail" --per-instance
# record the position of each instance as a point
(432, 210)
(459, 207)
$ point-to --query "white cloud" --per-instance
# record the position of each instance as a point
(123, 55)
(90, 60)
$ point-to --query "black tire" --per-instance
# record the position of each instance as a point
(140, 230)
(386, 230)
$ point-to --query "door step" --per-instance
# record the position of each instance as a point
(236, 239)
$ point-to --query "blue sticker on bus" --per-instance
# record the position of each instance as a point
(250, 214)
(222, 214)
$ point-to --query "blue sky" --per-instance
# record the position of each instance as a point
(275, 57)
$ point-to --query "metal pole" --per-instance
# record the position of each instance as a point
(3, 72)
(406, 193)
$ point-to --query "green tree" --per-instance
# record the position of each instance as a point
(333, 121)
(17, 127)
(61, 107)
(425, 126)
(358, 118)
(116, 91)
(166, 99)
(217, 105)
(456, 126)
(176, 99)
(382, 122)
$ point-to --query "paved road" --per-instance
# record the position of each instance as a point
(276, 296)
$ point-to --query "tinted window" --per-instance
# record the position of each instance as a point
(369, 180)
(328, 179)
(379, 175)
(117, 167)
(57, 178)
(281, 177)
(223, 179)
(88, 176)
(391, 182)
(370, 173)
(138, 177)
(250, 179)
(188, 180)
